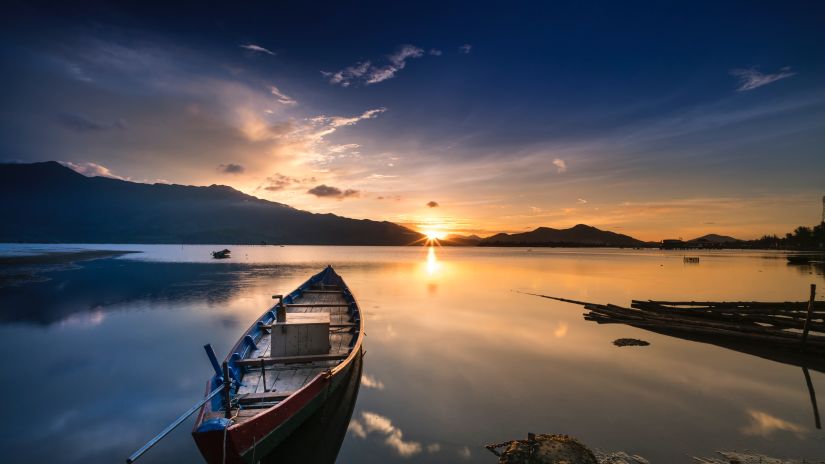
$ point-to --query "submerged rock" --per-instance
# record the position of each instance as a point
(630, 342)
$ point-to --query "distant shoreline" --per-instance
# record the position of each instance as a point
(60, 257)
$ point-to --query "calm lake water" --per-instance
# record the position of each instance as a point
(102, 354)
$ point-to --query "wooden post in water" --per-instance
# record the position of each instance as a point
(806, 327)
(227, 395)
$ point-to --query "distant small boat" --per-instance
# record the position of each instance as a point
(283, 368)
(223, 254)
(798, 259)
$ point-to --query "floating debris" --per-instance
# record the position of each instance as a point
(630, 342)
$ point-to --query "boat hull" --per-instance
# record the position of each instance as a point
(252, 440)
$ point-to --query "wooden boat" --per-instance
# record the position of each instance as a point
(223, 254)
(273, 393)
(798, 259)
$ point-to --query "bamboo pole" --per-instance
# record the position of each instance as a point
(812, 393)
(685, 323)
(582, 303)
(808, 318)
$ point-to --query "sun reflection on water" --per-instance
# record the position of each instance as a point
(432, 262)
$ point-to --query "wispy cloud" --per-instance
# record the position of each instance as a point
(398, 61)
(257, 49)
(80, 123)
(560, 165)
(434, 52)
(367, 73)
(348, 75)
(78, 73)
(278, 182)
(92, 170)
(750, 79)
(465, 49)
(282, 97)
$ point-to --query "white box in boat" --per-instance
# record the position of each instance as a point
(302, 334)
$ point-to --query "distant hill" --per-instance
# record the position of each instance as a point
(579, 235)
(715, 239)
(460, 240)
(48, 202)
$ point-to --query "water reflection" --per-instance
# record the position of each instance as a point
(319, 439)
(83, 293)
(814, 268)
(455, 358)
(764, 425)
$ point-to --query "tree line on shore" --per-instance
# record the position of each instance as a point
(803, 238)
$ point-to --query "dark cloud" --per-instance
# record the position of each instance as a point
(432, 204)
(230, 168)
(333, 192)
(80, 123)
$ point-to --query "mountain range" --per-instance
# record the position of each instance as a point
(50, 203)
(578, 235)
(714, 239)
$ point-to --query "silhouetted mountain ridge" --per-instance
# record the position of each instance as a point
(578, 235)
(48, 202)
(715, 238)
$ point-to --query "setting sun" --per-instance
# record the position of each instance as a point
(434, 234)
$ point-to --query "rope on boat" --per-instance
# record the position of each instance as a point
(227, 428)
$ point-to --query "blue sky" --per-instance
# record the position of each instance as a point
(656, 120)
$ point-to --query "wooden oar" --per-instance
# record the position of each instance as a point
(171, 426)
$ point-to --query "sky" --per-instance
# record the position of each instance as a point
(657, 120)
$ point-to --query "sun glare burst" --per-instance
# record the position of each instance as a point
(433, 234)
